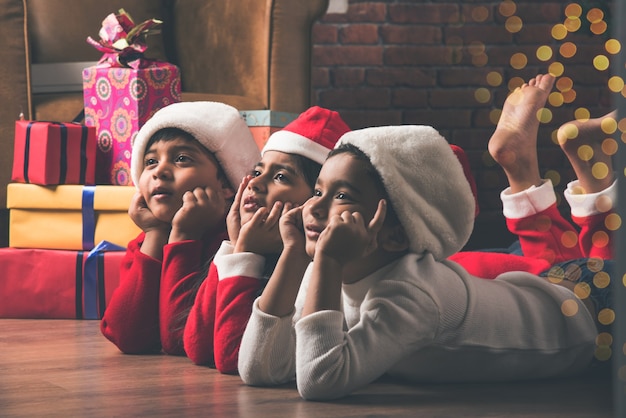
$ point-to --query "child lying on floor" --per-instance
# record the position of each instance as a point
(380, 296)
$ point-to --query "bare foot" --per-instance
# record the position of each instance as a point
(589, 149)
(514, 143)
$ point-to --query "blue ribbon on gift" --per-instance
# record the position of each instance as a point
(93, 290)
(63, 152)
(89, 217)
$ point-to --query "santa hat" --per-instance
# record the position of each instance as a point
(425, 183)
(217, 126)
(312, 134)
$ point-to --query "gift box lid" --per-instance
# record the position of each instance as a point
(267, 118)
(70, 197)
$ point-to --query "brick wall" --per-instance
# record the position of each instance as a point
(423, 62)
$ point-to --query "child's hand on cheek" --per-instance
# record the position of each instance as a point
(143, 216)
(233, 220)
(261, 234)
(291, 228)
(347, 238)
(202, 209)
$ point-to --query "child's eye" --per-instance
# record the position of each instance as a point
(317, 193)
(149, 161)
(183, 158)
(281, 177)
(255, 173)
(341, 196)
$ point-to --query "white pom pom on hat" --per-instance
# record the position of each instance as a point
(425, 183)
(217, 126)
(312, 134)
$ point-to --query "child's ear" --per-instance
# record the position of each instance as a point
(227, 189)
(394, 238)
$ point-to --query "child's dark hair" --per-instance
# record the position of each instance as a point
(391, 218)
(308, 168)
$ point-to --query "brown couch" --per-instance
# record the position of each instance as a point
(252, 54)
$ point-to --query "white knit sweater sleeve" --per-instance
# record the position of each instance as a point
(268, 347)
(267, 350)
(395, 319)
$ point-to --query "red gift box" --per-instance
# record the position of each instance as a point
(51, 153)
(118, 101)
(58, 284)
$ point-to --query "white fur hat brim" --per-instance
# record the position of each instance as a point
(425, 183)
(217, 126)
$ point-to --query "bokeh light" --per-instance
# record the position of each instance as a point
(601, 280)
(585, 152)
(482, 95)
(564, 84)
(608, 125)
(595, 15)
(613, 46)
(513, 24)
(556, 69)
(480, 14)
(480, 60)
(554, 176)
(606, 316)
(569, 239)
(476, 48)
(601, 62)
(555, 99)
(515, 82)
(600, 170)
(544, 115)
(613, 222)
(494, 116)
(544, 53)
(609, 146)
(616, 84)
(518, 61)
(494, 78)
(569, 307)
(559, 31)
(582, 114)
(568, 50)
(598, 28)
(569, 96)
(573, 10)
(572, 24)
(507, 8)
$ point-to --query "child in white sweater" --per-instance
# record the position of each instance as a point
(390, 205)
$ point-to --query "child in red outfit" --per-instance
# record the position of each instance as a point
(529, 204)
(185, 160)
(283, 179)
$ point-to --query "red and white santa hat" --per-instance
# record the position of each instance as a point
(312, 134)
(218, 126)
(425, 183)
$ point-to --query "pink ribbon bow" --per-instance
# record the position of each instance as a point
(122, 42)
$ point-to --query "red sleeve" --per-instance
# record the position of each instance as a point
(198, 336)
(235, 296)
(595, 237)
(546, 235)
(131, 320)
(489, 265)
(182, 264)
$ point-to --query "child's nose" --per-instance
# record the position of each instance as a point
(162, 170)
(258, 183)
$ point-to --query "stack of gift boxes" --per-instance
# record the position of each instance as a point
(70, 192)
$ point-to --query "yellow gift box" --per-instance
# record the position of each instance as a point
(69, 217)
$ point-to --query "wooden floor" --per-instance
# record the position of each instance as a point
(65, 368)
